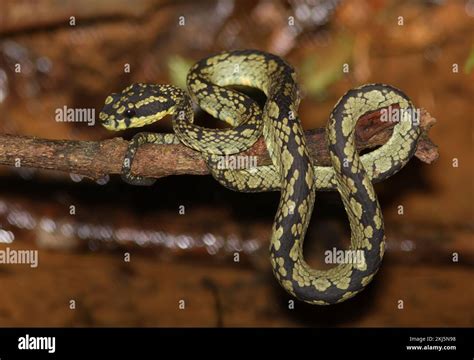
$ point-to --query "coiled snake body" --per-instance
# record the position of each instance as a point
(292, 171)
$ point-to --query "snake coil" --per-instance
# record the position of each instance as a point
(292, 172)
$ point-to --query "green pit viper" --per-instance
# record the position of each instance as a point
(292, 172)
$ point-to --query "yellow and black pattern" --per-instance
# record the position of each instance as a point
(291, 171)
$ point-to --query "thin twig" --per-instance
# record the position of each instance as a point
(95, 159)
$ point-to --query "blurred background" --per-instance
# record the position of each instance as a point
(74, 53)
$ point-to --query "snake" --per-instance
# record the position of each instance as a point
(212, 84)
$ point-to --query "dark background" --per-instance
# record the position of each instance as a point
(190, 256)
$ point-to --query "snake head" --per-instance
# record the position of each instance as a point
(138, 105)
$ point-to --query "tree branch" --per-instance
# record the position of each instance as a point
(94, 159)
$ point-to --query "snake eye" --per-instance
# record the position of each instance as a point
(129, 113)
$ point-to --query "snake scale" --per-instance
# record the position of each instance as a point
(291, 172)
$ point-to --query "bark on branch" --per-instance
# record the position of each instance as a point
(94, 159)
